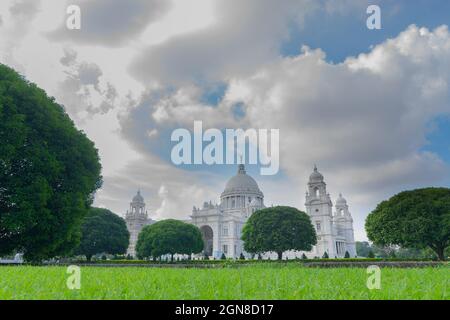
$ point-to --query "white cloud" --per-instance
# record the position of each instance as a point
(364, 121)
(242, 38)
(111, 22)
(169, 192)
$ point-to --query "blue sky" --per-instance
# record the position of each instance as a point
(344, 35)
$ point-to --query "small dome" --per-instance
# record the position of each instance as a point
(241, 183)
(316, 176)
(138, 197)
(341, 200)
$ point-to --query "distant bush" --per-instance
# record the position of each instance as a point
(229, 262)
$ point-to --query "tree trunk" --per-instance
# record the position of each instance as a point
(280, 255)
(171, 257)
(88, 257)
(440, 253)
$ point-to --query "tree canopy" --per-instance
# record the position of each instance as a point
(169, 237)
(278, 229)
(417, 219)
(49, 172)
(103, 232)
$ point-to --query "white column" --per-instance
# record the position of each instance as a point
(216, 243)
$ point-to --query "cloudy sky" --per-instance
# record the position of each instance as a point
(369, 107)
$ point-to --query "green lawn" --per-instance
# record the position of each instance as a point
(254, 282)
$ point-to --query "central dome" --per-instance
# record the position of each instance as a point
(241, 183)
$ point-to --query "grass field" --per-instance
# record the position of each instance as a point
(253, 282)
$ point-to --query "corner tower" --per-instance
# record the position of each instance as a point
(319, 207)
(344, 224)
(136, 218)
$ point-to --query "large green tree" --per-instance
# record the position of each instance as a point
(49, 172)
(416, 219)
(103, 232)
(169, 237)
(278, 229)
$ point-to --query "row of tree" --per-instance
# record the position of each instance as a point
(411, 224)
(371, 250)
(276, 229)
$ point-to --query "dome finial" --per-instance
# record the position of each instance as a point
(241, 169)
(315, 167)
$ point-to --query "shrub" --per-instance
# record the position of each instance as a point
(169, 237)
(278, 229)
(103, 232)
(347, 255)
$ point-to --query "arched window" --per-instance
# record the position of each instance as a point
(317, 192)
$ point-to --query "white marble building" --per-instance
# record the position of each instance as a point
(221, 224)
(136, 218)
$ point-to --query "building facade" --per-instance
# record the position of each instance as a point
(221, 224)
(136, 218)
